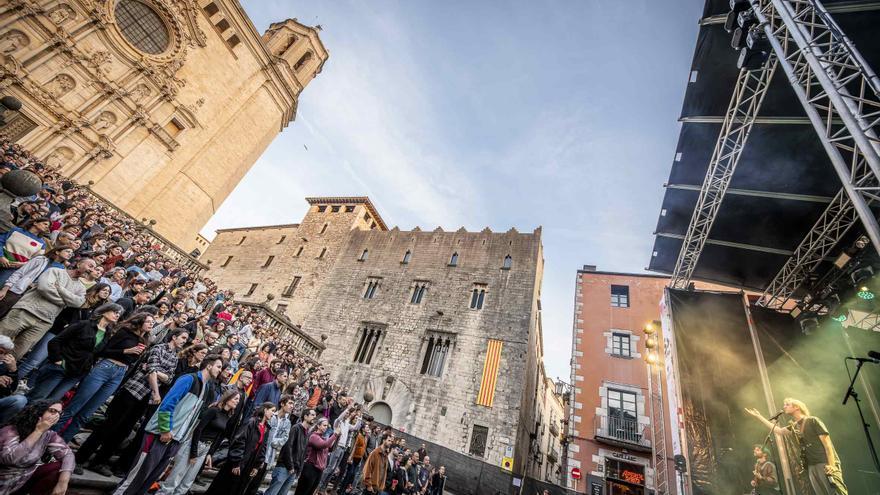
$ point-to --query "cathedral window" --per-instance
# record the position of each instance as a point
(349, 209)
(371, 288)
(281, 240)
(370, 340)
(242, 240)
(268, 261)
(226, 263)
(508, 263)
(299, 252)
(406, 257)
(478, 296)
(292, 287)
(223, 25)
(322, 208)
(334, 209)
(142, 26)
(364, 255)
(439, 346)
(324, 228)
(303, 61)
(453, 261)
(323, 252)
(251, 291)
(211, 9)
(419, 290)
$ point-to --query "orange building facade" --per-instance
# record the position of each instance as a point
(610, 425)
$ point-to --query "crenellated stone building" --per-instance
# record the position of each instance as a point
(151, 99)
(440, 329)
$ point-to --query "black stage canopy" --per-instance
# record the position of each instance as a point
(783, 181)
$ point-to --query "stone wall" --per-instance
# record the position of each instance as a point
(359, 252)
(442, 409)
(157, 129)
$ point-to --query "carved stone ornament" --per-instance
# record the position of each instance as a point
(60, 85)
(105, 120)
(140, 92)
(61, 14)
(59, 157)
(13, 41)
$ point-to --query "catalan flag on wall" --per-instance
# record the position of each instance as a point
(490, 374)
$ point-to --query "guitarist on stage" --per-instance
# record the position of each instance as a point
(765, 481)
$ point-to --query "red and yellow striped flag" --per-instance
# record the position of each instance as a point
(490, 374)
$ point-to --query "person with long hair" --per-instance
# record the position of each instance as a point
(122, 350)
(189, 359)
(201, 447)
(24, 443)
(821, 464)
(96, 296)
(316, 458)
(246, 455)
(72, 354)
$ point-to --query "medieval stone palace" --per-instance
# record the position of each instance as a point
(443, 329)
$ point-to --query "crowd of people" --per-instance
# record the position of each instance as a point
(115, 359)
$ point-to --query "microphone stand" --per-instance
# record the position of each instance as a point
(851, 392)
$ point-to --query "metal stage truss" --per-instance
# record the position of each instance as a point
(839, 94)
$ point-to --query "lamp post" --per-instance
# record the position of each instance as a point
(658, 437)
(565, 390)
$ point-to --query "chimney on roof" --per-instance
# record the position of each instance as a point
(589, 268)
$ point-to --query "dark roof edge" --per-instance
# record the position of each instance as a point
(624, 274)
(261, 227)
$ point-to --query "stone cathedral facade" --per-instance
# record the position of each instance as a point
(442, 329)
(152, 99)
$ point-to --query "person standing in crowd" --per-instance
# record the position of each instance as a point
(122, 350)
(438, 481)
(172, 423)
(355, 459)
(240, 386)
(376, 467)
(280, 428)
(316, 458)
(144, 388)
(292, 455)
(271, 392)
(33, 314)
(25, 443)
(246, 455)
(72, 354)
(9, 403)
(347, 421)
(198, 450)
(96, 296)
(21, 280)
(20, 244)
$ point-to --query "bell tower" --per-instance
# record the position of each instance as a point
(299, 46)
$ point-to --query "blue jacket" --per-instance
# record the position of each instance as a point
(268, 392)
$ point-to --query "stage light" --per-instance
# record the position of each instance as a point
(809, 324)
(861, 242)
(839, 317)
(862, 274)
(652, 357)
(649, 328)
(865, 293)
(750, 59)
(651, 342)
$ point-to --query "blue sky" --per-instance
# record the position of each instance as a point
(488, 113)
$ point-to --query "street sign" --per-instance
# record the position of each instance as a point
(575, 473)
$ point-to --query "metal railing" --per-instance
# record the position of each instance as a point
(619, 429)
(286, 330)
(166, 247)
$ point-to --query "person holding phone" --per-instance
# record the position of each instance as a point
(124, 346)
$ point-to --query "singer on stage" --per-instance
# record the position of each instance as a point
(821, 463)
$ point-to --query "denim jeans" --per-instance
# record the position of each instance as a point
(37, 355)
(51, 383)
(11, 405)
(93, 391)
(282, 480)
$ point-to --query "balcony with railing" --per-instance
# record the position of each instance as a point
(279, 325)
(622, 432)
